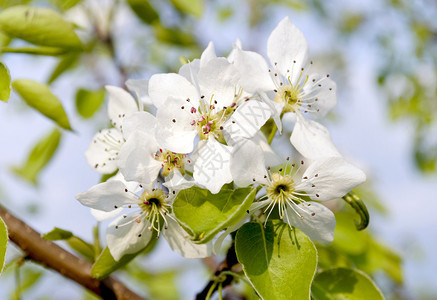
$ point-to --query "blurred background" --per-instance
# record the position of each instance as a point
(381, 53)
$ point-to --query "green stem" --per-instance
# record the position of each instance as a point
(211, 290)
(220, 291)
(97, 245)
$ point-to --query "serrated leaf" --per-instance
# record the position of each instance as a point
(5, 83)
(88, 102)
(203, 214)
(3, 243)
(40, 26)
(280, 263)
(144, 11)
(105, 263)
(193, 7)
(39, 157)
(343, 283)
(39, 96)
(65, 63)
(77, 244)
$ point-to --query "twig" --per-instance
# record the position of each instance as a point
(56, 258)
(226, 265)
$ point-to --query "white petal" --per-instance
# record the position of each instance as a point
(174, 131)
(247, 164)
(218, 80)
(319, 226)
(105, 215)
(176, 181)
(335, 178)
(211, 168)
(138, 121)
(235, 47)
(276, 109)
(141, 88)
(324, 90)
(179, 240)
(125, 236)
(246, 121)
(103, 150)
(136, 159)
(312, 139)
(270, 156)
(190, 71)
(120, 104)
(163, 86)
(207, 55)
(254, 71)
(285, 45)
(106, 196)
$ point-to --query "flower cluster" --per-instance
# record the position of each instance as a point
(206, 132)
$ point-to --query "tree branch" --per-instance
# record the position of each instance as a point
(54, 257)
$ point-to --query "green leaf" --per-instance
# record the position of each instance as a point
(47, 51)
(40, 26)
(77, 244)
(88, 102)
(105, 177)
(280, 263)
(343, 283)
(30, 274)
(39, 157)
(193, 7)
(3, 243)
(144, 11)
(5, 83)
(39, 96)
(57, 234)
(65, 63)
(65, 4)
(105, 263)
(203, 214)
(174, 36)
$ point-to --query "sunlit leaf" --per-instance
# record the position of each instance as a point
(144, 11)
(3, 243)
(105, 263)
(88, 102)
(29, 276)
(47, 51)
(77, 244)
(342, 283)
(40, 26)
(280, 263)
(39, 96)
(5, 83)
(174, 36)
(193, 7)
(39, 157)
(203, 214)
(65, 4)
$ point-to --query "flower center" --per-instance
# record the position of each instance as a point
(280, 189)
(290, 96)
(208, 121)
(170, 161)
(154, 205)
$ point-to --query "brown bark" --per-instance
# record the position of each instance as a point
(56, 258)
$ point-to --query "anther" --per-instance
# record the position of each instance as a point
(182, 107)
(313, 214)
(317, 175)
(317, 195)
(305, 177)
(115, 206)
(125, 190)
(174, 120)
